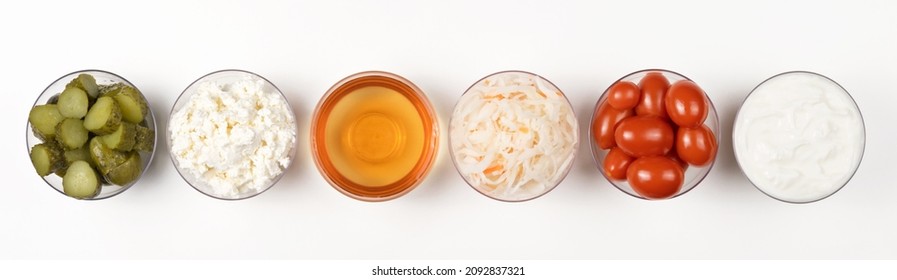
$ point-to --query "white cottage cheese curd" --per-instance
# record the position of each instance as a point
(234, 138)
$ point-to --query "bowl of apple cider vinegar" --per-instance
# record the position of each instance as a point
(374, 136)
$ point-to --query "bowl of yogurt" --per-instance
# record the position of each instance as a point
(799, 137)
(231, 134)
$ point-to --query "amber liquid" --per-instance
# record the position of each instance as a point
(375, 137)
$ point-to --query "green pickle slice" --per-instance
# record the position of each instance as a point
(71, 134)
(106, 89)
(71, 156)
(133, 106)
(73, 103)
(104, 117)
(43, 119)
(77, 154)
(46, 158)
(87, 83)
(81, 181)
(123, 139)
(126, 172)
(105, 158)
(145, 139)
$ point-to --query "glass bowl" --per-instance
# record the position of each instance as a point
(374, 136)
(249, 186)
(102, 78)
(693, 174)
(789, 195)
(513, 118)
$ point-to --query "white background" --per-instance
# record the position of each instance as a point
(443, 47)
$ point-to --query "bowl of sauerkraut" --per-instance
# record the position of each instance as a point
(513, 136)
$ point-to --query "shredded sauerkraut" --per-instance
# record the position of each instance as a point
(513, 136)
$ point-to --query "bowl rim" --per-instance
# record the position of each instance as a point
(856, 167)
(152, 115)
(292, 154)
(430, 153)
(576, 145)
(593, 147)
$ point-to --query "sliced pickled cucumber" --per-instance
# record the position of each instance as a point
(104, 117)
(145, 140)
(71, 134)
(81, 181)
(87, 83)
(72, 156)
(43, 119)
(123, 139)
(46, 158)
(103, 157)
(130, 101)
(108, 88)
(126, 172)
(73, 103)
(82, 153)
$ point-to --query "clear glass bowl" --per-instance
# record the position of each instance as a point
(221, 77)
(739, 157)
(374, 150)
(102, 78)
(561, 171)
(693, 175)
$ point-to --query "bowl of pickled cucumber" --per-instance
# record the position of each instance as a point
(91, 134)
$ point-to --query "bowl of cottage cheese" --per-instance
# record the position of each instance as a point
(231, 134)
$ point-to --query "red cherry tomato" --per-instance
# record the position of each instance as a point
(651, 103)
(606, 120)
(623, 95)
(686, 104)
(655, 177)
(641, 136)
(696, 146)
(616, 163)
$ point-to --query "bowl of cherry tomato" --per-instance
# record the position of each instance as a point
(654, 134)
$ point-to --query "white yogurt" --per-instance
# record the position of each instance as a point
(799, 137)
